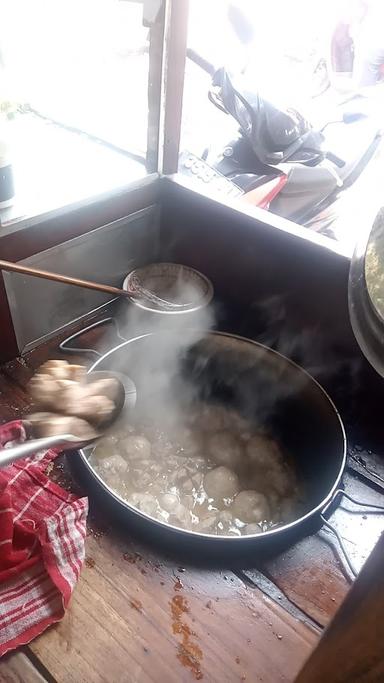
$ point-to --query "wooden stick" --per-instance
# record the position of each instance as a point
(65, 279)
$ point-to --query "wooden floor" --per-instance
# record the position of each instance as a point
(139, 615)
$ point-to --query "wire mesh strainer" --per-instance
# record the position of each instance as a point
(168, 288)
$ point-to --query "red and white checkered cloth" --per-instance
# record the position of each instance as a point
(42, 535)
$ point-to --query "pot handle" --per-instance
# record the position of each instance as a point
(341, 492)
(72, 349)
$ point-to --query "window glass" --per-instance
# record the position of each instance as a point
(78, 70)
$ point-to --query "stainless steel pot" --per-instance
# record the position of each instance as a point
(266, 387)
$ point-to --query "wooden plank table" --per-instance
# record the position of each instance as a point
(138, 615)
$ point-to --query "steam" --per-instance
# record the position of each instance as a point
(308, 347)
(178, 362)
(155, 363)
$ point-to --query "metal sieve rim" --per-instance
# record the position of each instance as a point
(204, 283)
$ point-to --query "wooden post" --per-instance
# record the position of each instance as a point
(352, 648)
(176, 26)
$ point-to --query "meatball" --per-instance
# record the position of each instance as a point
(144, 502)
(115, 482)
(263, 451)
(221, 483)
(169, 502)
(59, 369)
(224, 449)
(96, 409)
(114, 464)
(108, 387)
(51, 424)
(61, 387)
(250, 506)
(135, 446)
(76, 372)
(44, 390)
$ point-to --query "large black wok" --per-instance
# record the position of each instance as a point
(268, 389)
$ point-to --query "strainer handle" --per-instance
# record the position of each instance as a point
(73, 349)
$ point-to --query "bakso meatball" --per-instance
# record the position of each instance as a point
(169, 502)
(135, 446)
(221, 483)
(76, 372)
(59, 369)
(116, 483)
(114, 464)
(144, 502)
(52, 378)
(109, 387)
(44, 390)
(51, 424)
(60, 387)
(96, 409)
(263, 451)
(250, 506)
(224, 449)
